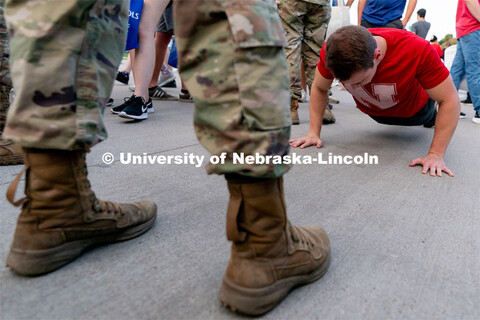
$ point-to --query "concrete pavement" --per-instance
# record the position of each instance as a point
(404, 245)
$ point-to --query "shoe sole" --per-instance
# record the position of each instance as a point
(37, 262)
(165, 98)
(476, 120)
(144, 116)
(255, 302)
(11, 160)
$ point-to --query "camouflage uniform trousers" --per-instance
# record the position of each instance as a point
(305, 24)
(5, 81)
(63, 60)
(233, 63)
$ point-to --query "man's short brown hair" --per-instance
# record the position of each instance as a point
(348, 50)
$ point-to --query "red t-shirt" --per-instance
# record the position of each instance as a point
(437, 48)
(466, 22)
(409, 66)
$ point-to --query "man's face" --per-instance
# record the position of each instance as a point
(362, 77)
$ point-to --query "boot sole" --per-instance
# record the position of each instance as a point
(11, 160)
(255, 302)
(38, 262)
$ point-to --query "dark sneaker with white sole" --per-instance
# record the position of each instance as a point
(160, 94)
(463, 115)
(118, 109)
(476, 117)
(137, 109)
(185, 96)
(123, 77)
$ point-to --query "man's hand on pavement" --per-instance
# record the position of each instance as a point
(432, 162)
(306, 141)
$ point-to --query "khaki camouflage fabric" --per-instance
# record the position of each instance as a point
(305, 24)
(5, 81)
(63, 59)
(233, 63)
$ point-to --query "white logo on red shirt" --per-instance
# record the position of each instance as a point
(383, 97)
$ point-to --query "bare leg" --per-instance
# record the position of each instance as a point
(161, 43)
(144, 62)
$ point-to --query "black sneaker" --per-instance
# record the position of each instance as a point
(110, 102)
(136, 109)
(159, 94)
(468, 100)
(476, 117)
(118, 109)
(123, 77)
(185, 96)
(462, 115)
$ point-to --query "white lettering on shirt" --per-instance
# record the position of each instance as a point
(384, 95)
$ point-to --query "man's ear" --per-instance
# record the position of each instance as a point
(377, 55)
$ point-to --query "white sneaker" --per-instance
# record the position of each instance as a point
(165, 77)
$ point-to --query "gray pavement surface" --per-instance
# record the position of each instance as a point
(404, 245)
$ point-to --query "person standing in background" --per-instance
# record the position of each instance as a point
(467, 59)
(384, 13)
(436, 46)
(305, 23)
(421, 27)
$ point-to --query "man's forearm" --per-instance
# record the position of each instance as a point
(411, 6)
(447, 119)
(318, 103)
(361, 6)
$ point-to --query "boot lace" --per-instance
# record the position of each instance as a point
(299, 237)
(97, 204)
(108, 207)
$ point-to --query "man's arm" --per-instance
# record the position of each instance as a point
(318, 103)
(349, 3)
(361, 6)
(411, 6)
(474, 8)
(448, 110)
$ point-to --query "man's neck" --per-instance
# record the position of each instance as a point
(381, 44)
(421, 19)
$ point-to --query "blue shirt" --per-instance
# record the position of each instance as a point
(381, 12)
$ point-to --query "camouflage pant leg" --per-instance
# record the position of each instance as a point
(63, 59)
(316, 24)
(239, 81)
(305, 27)
(5, 81)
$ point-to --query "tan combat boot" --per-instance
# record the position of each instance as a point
(294, 111)
(61, 216)
(269, 256)
(328, 116)
(10, 153)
